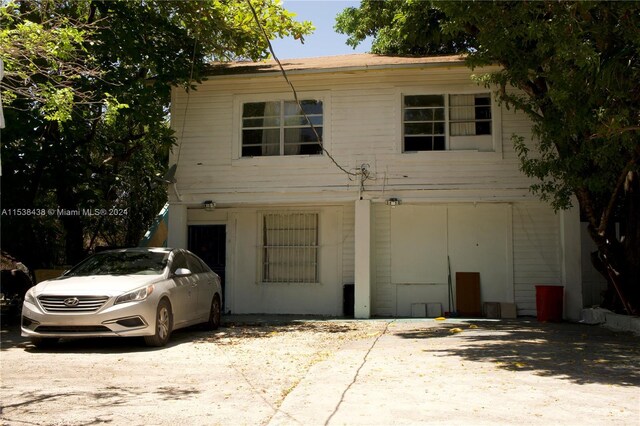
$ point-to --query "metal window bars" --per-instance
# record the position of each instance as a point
(290, 248)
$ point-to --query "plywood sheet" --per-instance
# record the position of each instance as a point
(419, 244)
(468, 294)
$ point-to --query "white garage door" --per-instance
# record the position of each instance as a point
(479, 241)
(476, 238)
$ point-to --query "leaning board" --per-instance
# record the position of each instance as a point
(468, 294)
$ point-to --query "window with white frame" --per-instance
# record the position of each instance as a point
(441, 122)
(280, 127)
(290, 247)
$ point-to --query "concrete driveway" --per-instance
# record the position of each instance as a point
(302, 371)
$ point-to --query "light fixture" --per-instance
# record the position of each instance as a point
(393, 202)
(209, 205)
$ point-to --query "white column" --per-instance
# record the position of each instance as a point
(362, 308)
(177, 237)
(571, 262)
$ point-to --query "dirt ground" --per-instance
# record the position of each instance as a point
(301, 371)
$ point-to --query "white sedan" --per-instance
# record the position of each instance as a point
(129, 292)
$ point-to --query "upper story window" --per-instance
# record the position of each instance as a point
(280, 128)
(447, 122)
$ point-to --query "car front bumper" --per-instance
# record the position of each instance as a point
(126, 319)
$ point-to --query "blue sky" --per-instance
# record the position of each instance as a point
(324, 41)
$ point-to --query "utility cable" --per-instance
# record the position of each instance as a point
(184, 117)
(295, 96)
(186, 105)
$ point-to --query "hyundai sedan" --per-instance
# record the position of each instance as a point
(129, 292)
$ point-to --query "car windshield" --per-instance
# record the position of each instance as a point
(122, 263)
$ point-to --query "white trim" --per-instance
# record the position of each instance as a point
(238, 100)
(177, 226)
(364, 263)
(571, 261)
(260, 214)
(510, 281)
(449, 154)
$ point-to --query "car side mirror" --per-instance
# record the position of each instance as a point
(180, 272)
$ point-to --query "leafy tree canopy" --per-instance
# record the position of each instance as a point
(576, 66)
(51, 47)
(86, 94)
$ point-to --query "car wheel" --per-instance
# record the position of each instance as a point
(164, 325)
(214, 314)
(44, 342)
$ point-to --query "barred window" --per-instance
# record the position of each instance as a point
(290, 248)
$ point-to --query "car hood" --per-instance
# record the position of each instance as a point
(94, 285)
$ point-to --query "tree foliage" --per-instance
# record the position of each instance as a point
(576, 66)
(86, 95)
(399, 27)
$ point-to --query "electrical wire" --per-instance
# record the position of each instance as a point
(295, 96)
(186, 106)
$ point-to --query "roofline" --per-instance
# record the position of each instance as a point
(349, 63)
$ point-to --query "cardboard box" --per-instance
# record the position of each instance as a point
(508, 310)
(491, 310)
(434, 310)
(418, 310)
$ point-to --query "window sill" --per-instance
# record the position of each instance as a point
(280, 160)
(460, 155)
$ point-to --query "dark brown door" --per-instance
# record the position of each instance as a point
(209, 243)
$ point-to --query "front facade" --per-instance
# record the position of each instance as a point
(415, 179)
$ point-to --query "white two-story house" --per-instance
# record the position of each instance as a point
(414, 179)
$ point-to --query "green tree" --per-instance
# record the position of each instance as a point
(577, 68)
(86, 94)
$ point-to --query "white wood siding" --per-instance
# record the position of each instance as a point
(536, 252)
(245, 292)
(362, 121)
(363, 126)
(384, 292)
(517, 247)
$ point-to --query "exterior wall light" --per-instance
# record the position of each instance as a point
(209, 205)
(393, 202)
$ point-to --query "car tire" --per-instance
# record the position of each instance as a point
(44, 342)
(163, 325)
(214, 314)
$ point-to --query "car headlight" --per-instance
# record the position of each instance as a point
(136, 295)
(29, 296)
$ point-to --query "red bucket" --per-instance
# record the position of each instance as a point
(549, 302)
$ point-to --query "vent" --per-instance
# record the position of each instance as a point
(72, 304)
(72, 329)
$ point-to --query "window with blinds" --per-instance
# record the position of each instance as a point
(290, 247)
(447, 122)
(282, 128)
(470, 115)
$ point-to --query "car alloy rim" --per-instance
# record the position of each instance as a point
(163, 322)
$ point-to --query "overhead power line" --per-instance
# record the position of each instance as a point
(361, 171)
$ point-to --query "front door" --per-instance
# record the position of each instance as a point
(209, 243)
